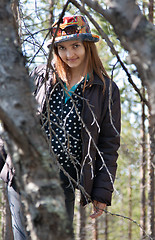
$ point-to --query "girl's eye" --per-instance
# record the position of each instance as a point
(76, 45)
(60, 48)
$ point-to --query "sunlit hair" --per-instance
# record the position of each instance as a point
(92, 63)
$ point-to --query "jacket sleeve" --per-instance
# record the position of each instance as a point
(108, 144)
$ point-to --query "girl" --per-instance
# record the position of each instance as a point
(80, 115)
(80, 109)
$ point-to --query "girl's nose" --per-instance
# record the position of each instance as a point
(69, 53)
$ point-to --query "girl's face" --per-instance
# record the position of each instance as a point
(72, 53)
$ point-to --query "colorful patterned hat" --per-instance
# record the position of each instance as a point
(73, 28)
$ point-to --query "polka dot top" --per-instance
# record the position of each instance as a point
(64, 129)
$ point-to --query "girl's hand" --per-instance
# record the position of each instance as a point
(98, 209)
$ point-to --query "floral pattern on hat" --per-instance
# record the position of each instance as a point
(73, 28)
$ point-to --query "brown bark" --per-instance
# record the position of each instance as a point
(16, 20)
(151, 10)
(143, 172)
(37, 175)
(151, 184)
(6, 226)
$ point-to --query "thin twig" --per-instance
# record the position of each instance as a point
(130, 219)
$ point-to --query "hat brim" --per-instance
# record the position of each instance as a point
(81, 36)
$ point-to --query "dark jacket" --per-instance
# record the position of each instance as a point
(100, 133)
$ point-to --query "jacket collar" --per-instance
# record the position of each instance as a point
(97, 80)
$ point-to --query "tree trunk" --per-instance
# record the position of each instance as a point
(16, 20)
(82, 223)
(7, 233)
(80, 219)
(106, 226)
(151, 10)
(130, 204)
(144, 8)
(38, 182)
(151, 163)
(151, 186)
(143, 172)
(95, 229)
(51, 11)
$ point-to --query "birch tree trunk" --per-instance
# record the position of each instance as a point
(38, 182)
(82, 223)
(95, 229)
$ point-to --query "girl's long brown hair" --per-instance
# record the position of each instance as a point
(92, 63)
